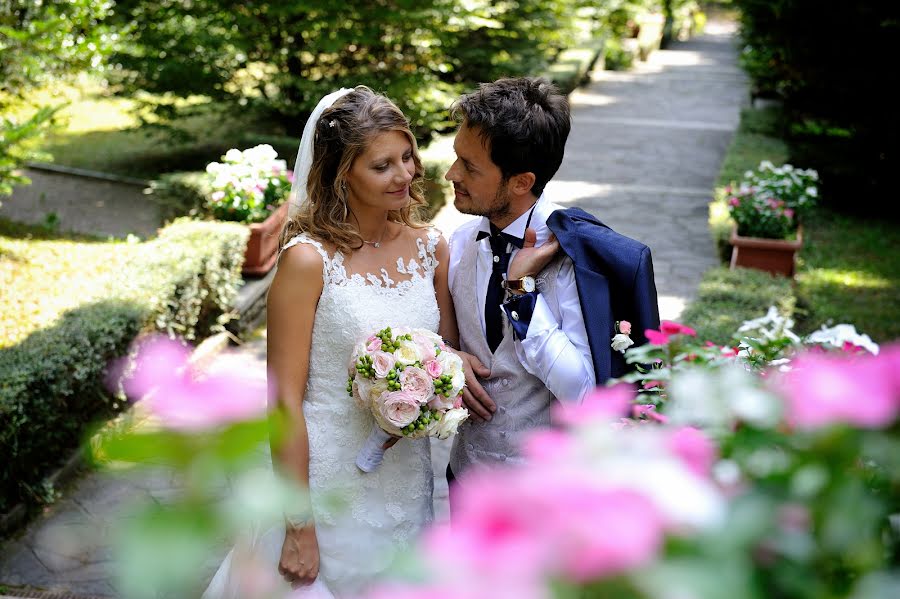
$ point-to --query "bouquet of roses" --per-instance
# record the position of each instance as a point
(412, 384)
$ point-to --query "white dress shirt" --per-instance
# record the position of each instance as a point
(556, 348)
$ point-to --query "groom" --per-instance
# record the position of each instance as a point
(536, 321)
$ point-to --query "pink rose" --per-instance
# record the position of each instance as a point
(373, 344)
(399, 408)
(439, 402)
(426, 347)
(382, 362)
(624, 327)
(434, 368)
(417, 383)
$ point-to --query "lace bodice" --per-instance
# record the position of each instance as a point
(382, 510)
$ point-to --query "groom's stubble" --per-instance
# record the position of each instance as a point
(498, 209)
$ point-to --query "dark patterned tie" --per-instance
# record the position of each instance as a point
(493, 318)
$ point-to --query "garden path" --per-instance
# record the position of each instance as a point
(643, 156)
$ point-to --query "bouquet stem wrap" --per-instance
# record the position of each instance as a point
(372, 452)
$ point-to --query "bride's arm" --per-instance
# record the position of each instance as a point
(474, 395)
(291, 306)
(447, 327)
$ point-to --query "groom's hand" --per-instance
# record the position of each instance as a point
(479, 403)
(530, 260)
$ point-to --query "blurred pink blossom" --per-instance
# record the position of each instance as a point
(656, 337)
(183, 398)
(604, 403)
(862, 390)
(546, 520)
(694, 448)
(673, 328)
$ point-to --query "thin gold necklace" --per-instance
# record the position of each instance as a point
(377, 244)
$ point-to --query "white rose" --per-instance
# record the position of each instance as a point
(458, 381)
(408, 352)
(233, 155)
(449, 422)
(450, 363)
(621, 342)
(382, 363)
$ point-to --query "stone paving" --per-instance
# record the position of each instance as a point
(643, 155)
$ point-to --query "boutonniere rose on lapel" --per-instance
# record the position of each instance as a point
(621, 341)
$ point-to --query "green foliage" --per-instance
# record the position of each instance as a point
(726, 298)
(40, 41)
(14, 151)
(52, 383)
(832, 68)
(618, 57)
(282, 57)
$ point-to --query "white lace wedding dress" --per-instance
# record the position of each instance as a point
(361, 519)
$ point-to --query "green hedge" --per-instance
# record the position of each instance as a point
(572, 67)
(53, 384)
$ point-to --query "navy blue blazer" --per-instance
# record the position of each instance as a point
(614, 276)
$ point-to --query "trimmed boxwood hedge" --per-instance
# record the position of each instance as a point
(53, 383)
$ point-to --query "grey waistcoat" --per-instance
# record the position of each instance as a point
(523, 402)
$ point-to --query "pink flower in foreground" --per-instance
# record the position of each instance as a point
(673, 328)
(823, 389)
(656, 337)
(184, 399)
(604, 403)
(548, 445)
(545, 521)
(694, 448)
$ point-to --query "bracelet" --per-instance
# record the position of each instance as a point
(298, 521)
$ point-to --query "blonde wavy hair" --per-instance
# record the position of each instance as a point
(343, 133)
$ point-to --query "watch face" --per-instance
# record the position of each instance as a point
(527, 284)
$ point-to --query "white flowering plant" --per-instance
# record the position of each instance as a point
(771, 201)
(248, 185)
(411, 382)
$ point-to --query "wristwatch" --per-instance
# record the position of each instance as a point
(523, 285)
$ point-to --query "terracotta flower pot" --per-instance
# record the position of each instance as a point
(776, 256)
(262, 247)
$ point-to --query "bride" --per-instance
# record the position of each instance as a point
(355, 259)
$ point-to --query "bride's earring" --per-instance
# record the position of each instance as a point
(343, 196)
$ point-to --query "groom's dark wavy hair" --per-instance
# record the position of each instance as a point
(523, 121)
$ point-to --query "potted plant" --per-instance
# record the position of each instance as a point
(767, 208)
(250, 187)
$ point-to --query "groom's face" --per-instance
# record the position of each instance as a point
(478, 183)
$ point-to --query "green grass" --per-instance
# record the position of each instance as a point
(726, 298)
(850, 272)
(44, 274)
(101, 132)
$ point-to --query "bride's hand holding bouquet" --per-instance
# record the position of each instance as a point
(411, 382)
